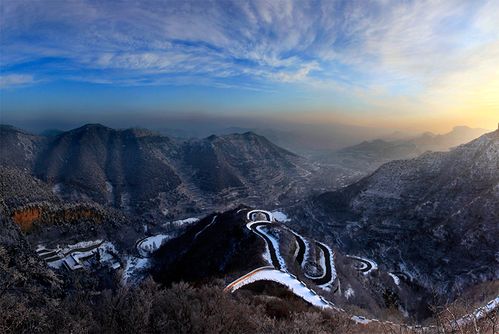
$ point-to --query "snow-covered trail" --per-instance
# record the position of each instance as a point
(328, 265)
(479, 313)
(301, 290)
(206, 227)
(289, 280)
(296, 286)
(146, 246)
(251, 215)
(367, 265)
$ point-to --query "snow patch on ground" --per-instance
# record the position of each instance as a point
(266, 255)
(107, 251)
(125, 201)
(182, 222)
(149, 245)
(57, 188)
(404, 312)
(82, 244)
(280, 216)
(360, 319)
(349, 293)
(411, 274)
(110, 192)
(109, 187)
(306, 253)
(312, 265)
(396, 280)
(135, 267)
(322, 262)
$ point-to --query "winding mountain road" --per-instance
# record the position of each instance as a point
(300, 289)
(273, 256)
(301, 249)
(366, 265)
(324, 279)
(327, 278)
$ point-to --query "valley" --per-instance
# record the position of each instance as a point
(119, 207)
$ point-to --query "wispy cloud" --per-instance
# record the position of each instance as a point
(368, 48)
(16, 80)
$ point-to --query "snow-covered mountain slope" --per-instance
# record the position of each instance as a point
(144, 173)
(433, 218)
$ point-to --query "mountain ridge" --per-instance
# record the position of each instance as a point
(141, 171)
(370, 154)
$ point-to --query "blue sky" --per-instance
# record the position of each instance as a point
(365, 62)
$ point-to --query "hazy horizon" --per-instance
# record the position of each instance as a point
(210, 124)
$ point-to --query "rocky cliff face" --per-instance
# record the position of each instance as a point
(433, 217)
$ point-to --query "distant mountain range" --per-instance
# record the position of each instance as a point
(143, 172)
(433, 217)
(369, 155)
(304, 139)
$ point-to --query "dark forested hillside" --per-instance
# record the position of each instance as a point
(141, 172)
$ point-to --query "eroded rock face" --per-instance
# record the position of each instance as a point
(433, 217)
(26, 217)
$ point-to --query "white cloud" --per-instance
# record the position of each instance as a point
(298, 75)
(16, 80)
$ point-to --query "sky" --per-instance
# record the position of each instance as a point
(426, 65)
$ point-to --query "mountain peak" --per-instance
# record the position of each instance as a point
(461, 127)
(91, 126)
(250, 134)
(428, 134)
(247, 134)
